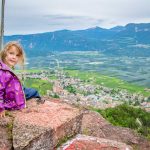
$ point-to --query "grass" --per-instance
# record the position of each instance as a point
(53, 77)
(29, 71)
(41, 85)
(64, 140)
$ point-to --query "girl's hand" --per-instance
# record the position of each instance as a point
(2, 114)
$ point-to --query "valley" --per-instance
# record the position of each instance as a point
(135, 70)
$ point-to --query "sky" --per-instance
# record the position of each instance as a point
(38, 16)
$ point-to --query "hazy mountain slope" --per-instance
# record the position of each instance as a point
(130, 40)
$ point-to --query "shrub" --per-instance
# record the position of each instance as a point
(128, 116)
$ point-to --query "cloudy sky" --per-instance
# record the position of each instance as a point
(36, 16)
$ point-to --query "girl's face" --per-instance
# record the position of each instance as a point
(12, 56)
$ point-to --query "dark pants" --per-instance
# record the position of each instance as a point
(31, 93)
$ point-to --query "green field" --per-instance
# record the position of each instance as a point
(41, 85)
(111, 82)
(30, 70)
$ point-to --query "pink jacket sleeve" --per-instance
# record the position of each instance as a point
(1, 97)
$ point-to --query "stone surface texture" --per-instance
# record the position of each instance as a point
(45, 126)
(82, 142)
(42, 126)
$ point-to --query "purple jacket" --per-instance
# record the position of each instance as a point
(11, 92)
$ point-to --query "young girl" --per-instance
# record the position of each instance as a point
(12, 94)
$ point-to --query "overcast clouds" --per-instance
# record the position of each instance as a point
(35, 16)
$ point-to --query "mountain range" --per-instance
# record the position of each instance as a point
(129, 40)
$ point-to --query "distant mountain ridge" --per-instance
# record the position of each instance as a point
(130, 40)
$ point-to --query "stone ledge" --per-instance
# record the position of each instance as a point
(43, 126)
(83, 142)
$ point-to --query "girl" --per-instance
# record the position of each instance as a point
(12, 94)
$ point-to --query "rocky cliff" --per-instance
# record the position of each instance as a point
(57, 125)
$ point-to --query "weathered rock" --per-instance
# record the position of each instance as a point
(82, 142)
(121, 134)
(43, 126)
(94, 124)
(5, 133)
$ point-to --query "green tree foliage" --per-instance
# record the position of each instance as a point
(70, 89)
(128, 116)
(55, 96)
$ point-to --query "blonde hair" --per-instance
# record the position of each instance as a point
(7, 47)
